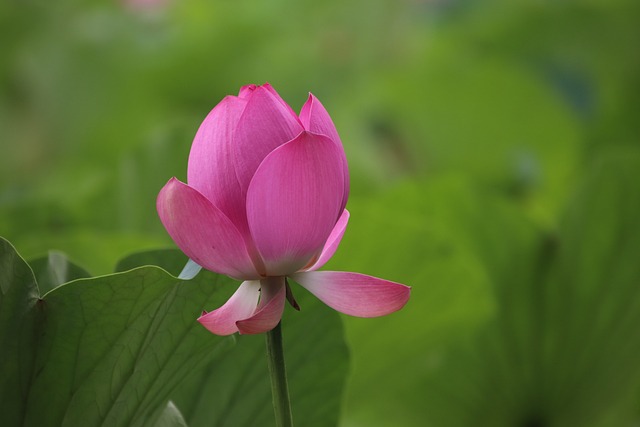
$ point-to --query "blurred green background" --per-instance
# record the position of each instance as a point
(495, 159)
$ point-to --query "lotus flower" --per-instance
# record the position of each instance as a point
(265, 200)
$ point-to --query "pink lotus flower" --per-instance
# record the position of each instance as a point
(266, 200)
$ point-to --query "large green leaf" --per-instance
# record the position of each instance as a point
(112, 348)
(119, 349)
(234, 390)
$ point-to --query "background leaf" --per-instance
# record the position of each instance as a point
(54, 269)
(19, 324)
(593, 300)
(426, 246)
(551, 326)
(171, 260)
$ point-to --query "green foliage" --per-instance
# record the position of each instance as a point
(125, 349)
(541, 326)
(493, 155)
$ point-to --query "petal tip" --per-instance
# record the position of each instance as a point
(355, 294)
(214, 328)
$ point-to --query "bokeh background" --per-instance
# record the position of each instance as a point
(495, 159)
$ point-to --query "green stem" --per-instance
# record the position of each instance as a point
(279, 386)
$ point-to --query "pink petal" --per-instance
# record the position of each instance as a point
(332, 242)
(241, 305)
(270, 88)
(211, 163)
(203, 232)
(246, 90)
(265, 124)
(269, 312)
(293, 202)
(353, 293)
(211, 168)
(316, 119)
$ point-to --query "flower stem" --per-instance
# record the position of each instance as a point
(279, 386)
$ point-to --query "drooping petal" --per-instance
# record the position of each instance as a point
(203, 232)
(240, 306)
(293, 202)
(269, 312)
(264, 125)
(211, 168)
(316, 119)
(333, 241)
(353, 293)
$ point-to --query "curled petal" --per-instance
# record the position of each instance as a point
(211, 168)
(293, 202)
(269, 312)
(203, 232)
(353, 293)
(316, 119)
(265, 124)
(332, 242)
(241, 305)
